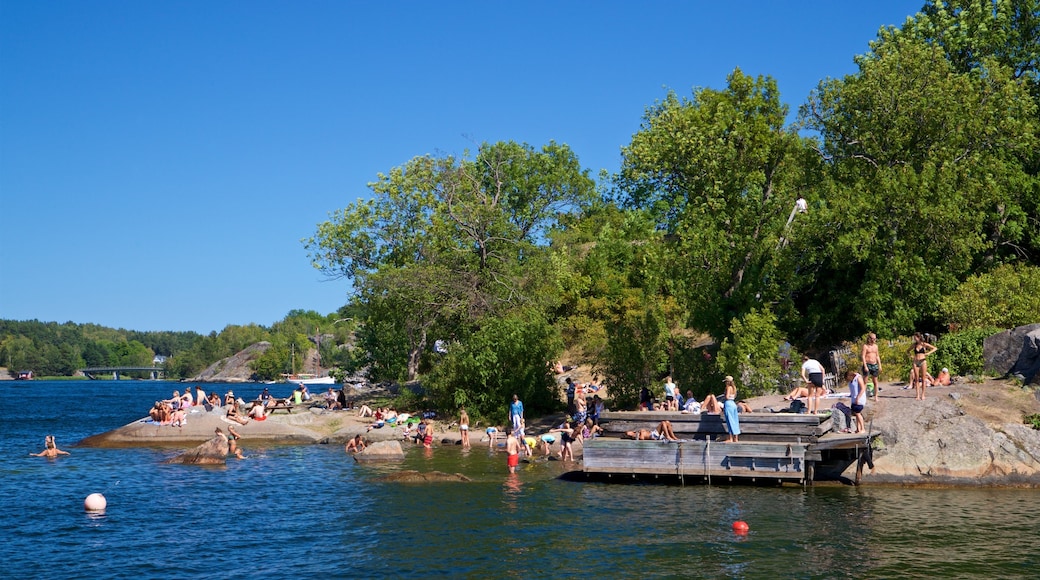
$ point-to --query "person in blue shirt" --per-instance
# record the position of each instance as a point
(516, 413)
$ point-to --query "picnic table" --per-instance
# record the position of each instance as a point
(276, 404)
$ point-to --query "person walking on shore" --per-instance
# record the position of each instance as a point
(871, 363)
(516, 412)
(812, 374)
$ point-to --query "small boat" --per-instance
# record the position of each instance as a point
(309, 379)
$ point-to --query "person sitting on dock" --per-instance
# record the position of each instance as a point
(590, 429)
(691, 405)
(646, 402)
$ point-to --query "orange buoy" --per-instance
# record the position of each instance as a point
(740, 527)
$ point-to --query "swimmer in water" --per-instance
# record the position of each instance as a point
(50, 450)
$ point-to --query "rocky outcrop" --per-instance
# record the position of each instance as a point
(212, 452)
(380, 451)
(1014, 352)
(420, 477)
(936, 442)
(234, 368)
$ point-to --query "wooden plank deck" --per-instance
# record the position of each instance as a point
(690, 458)
(777, 427)
(782, 446)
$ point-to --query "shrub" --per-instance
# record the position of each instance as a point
(961, 352)
(1004, 298)
(752, 355)
(1033, 420)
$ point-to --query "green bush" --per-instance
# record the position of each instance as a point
(1003, 298)
(961, 352)
(1033, 420)
(752, 355)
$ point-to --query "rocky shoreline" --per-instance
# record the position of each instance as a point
(968, 434)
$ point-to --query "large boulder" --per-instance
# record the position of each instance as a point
(1014, 352)
(380, 451)
(212, 452)
(935, 441)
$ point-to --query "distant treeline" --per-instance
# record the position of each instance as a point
(60, 349)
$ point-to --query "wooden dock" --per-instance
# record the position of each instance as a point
(773, 447)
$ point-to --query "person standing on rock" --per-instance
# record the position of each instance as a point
(920, 351)
(871, 363)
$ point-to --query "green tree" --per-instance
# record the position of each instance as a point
(921, 159)
(508, 355)
(448, 241)
(719, 174)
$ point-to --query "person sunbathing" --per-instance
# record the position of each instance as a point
(710, 405)
(797, 393)
(233, 415)
(662, 432)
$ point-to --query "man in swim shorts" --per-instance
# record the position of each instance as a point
(871, 362)
(512, 452)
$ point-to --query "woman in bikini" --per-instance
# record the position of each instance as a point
(232, 441)
(919, 351)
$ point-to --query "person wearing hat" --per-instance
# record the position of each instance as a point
(729, 411)
(943, 380)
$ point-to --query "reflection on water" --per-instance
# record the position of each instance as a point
(312, 511)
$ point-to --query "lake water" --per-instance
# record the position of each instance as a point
(312, 512)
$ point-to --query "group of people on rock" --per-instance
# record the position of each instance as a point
(174, 411)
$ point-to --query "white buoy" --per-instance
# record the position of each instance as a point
(95, 502)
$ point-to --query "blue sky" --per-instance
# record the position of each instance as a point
(161, 161)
